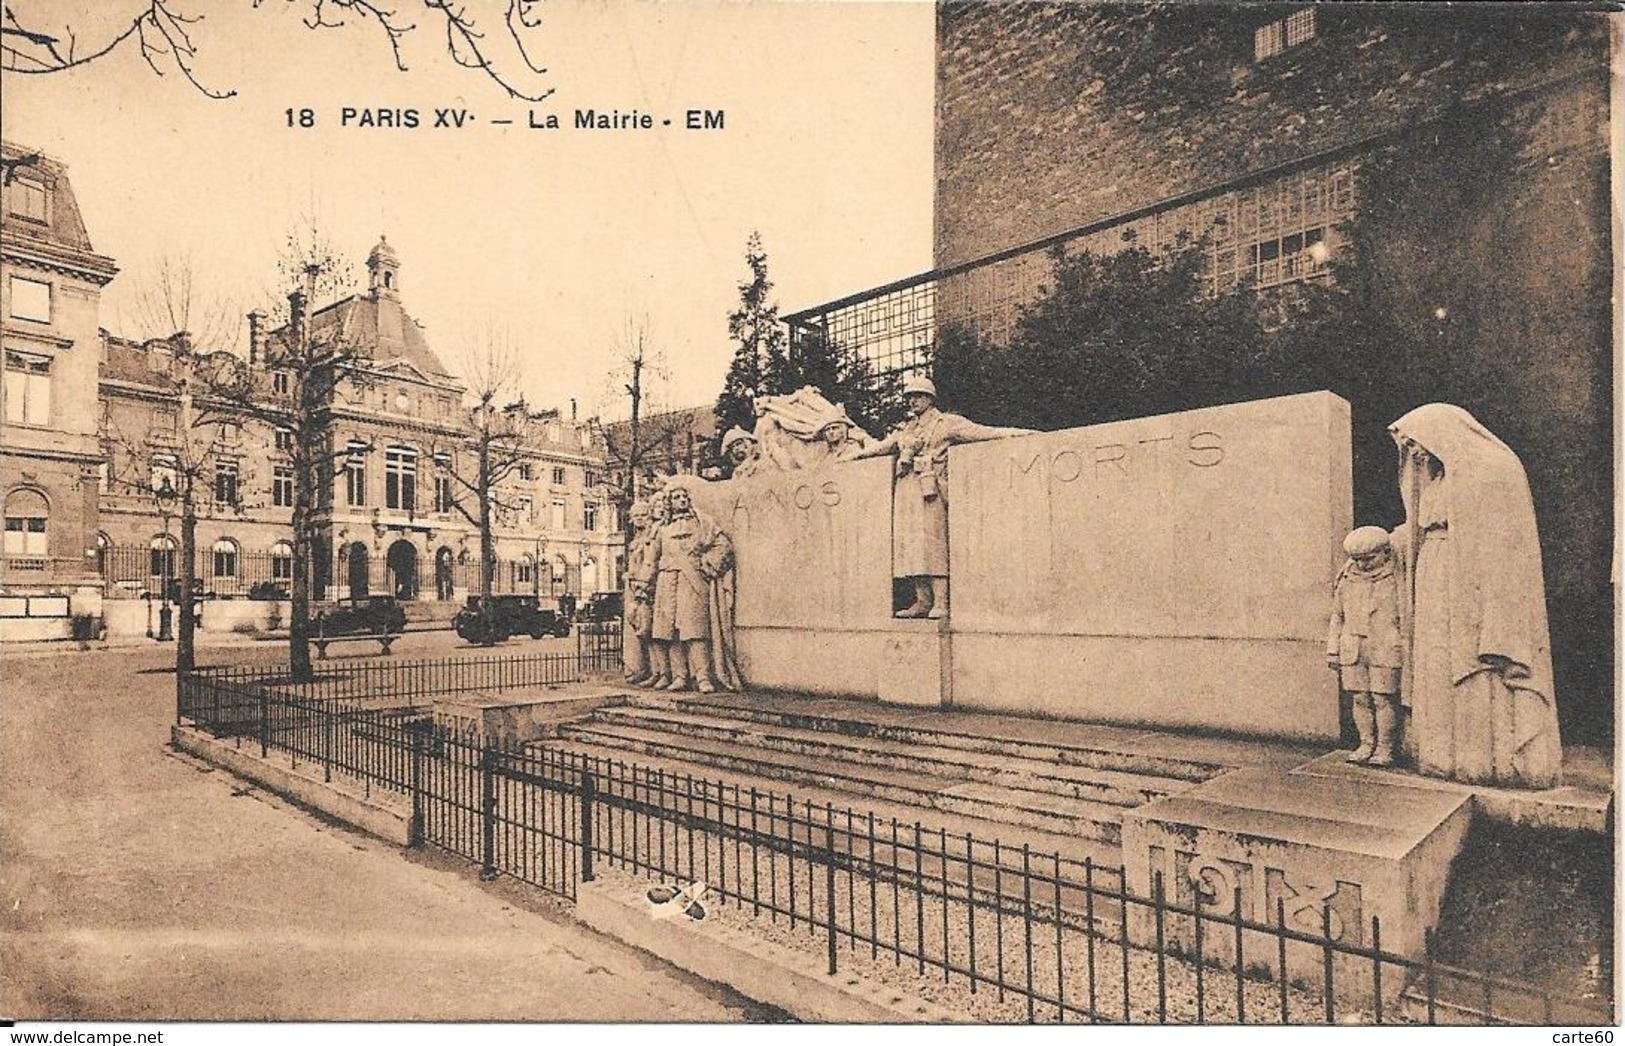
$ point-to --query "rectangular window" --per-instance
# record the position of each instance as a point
(282, 486)
(30, 300)
(25, 535)
(443, 499)
(284, 438)
(526, 473)
(27, 389)
(1300, 26)
(558, 476)
(1275, 37)
(355, 475)
(102, 477)
(228, 432)
(28, 199)
(1269, 40)
(522, 510)
(591, 478)
(281, 382)
(558, 515)
(400, 478)
(225, 482)
(589, 516)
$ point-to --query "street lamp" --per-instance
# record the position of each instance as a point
(166, 496)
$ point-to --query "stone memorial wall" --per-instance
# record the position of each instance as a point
(1166, 571)
(814, 574)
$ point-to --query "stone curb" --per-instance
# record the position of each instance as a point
(299, 785)
(761, 970)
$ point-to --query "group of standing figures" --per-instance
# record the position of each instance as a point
(679, 618)
(1438, 629)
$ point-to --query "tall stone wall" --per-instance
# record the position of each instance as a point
(1171, 571)
(814, 574)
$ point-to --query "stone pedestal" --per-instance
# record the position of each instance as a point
(514, 720)
(916, 667)
(1297, 845)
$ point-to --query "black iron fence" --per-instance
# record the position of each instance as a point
(1031, 936)
(229, 572)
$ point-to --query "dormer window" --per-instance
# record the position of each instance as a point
(28, 199)
(1273, 38)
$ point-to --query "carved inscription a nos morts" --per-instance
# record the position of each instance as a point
(1201, 449)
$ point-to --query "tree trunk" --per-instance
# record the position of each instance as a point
(185, 650)
(487, 546)
(299, 619)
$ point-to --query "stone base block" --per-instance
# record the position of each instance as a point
(515, 720)
(1316, 852)
(917, 665)
(831, 662)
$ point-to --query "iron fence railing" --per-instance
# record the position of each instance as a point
(1038, 936)
(268, 574)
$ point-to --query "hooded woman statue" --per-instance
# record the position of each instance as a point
(1478, 678)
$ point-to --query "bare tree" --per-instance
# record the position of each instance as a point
(502, 434)
(315, 361)
(183, 448)
(495, 38)
(657, 438)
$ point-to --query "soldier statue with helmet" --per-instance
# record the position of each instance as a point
(919, 506)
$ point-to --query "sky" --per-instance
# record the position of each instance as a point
(562, 238)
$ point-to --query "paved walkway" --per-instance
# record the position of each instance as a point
(137, 884)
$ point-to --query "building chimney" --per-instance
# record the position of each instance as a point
(296, 315)
(572, 409)
(256, 319)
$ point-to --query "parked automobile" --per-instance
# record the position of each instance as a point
(510, 616)
(601, 606)
(362, 616)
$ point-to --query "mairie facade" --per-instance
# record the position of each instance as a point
(98, 442)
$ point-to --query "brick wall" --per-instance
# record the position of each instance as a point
(1051, 116)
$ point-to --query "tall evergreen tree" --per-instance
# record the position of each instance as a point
(765, 363)
(761, 358)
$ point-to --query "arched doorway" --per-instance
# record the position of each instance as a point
(358, 570)
(443, 585)
(402, 562)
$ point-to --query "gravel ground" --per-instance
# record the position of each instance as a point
(898, 914)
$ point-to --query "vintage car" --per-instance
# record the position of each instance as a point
(601, 606)
(362, 616)
(510, 616)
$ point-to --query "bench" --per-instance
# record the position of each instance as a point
(322, 641)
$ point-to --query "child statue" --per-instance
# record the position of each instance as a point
(1364, 645)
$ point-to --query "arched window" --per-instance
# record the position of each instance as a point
(527, 570)
(225, 558)
(161, 557)
(27, 513)
(281, 561)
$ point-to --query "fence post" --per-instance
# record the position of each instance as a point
(329, 740)
(265, 724)
(488, 814)
(414, 828)
(589, 795)
(829, 888)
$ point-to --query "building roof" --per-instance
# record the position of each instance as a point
(61, 237)
(381, 326)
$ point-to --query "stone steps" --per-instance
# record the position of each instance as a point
(1101, 758)
(933, 821)
(1114, 787)
(1043, 811)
